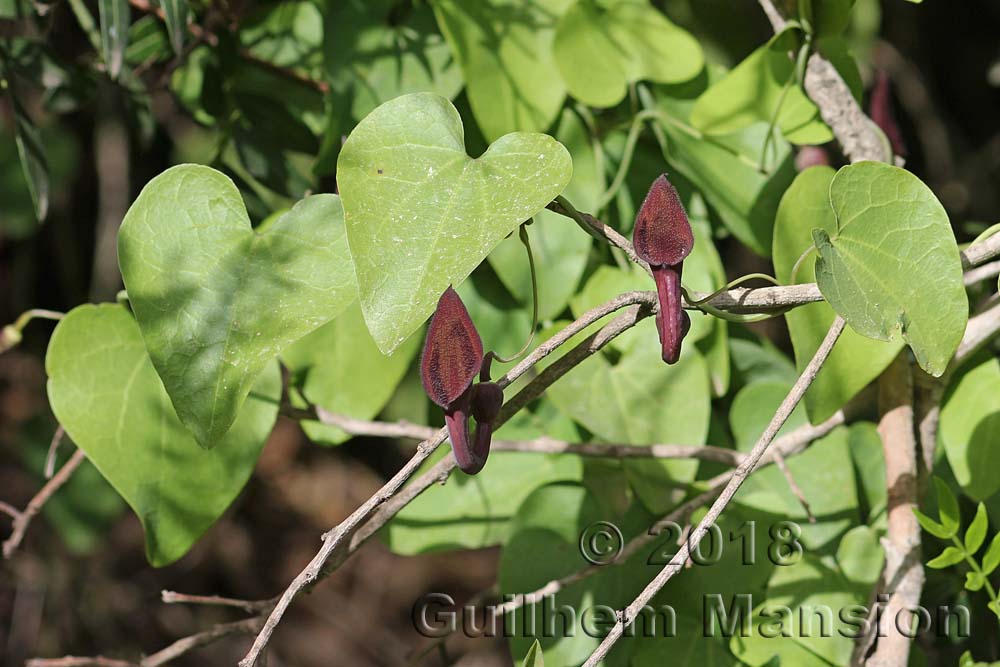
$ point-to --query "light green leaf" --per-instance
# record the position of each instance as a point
(104, 391)
(860, 556)
(34, 163)
(421, 214)
(948, 512)
(975, 535)
(974, 581)
(339, 368)
(642, 401)
(505, 50)
(991, 559)
(855, 360)
(215, 300)
(869, 469)
(175, 14)
(115, 18)
(602, 47)
(560, 247)
(970, 420)
(950, 556)
(932, 526)
(534, 658)
(752, 91)
(892, 268)
(826, 17)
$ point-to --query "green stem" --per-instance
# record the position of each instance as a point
(732, 284)
(577, 217)
(623, 166)
(798, 263)
(774, 122)
(523, 235)
(989, 231)
(978, 570)
(10, 335)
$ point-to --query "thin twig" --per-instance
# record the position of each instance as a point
(779, 460)
(23, 518)
(77, 661)
(739, 476)
(249, 606)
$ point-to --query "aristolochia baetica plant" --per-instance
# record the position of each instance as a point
(453, 355)
(662, 238)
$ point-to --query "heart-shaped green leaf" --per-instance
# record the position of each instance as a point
(104, 391)
(855, 360)
(217, 300)
(421, 214)
(892, 267)
(601, 47)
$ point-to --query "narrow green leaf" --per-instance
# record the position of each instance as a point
(948, 512)
(534, 658)
(104, 391)
(976, 533)
(892, 268)
(215, 300)
(422, 214)
(932, 526)
(115, 18)
(991, 559)
(994, 606)
(950, 556)
(34, 163)
(974, 581)
(175, 13)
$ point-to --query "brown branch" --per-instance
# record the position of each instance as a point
(22, 519)
(627, 616)
(903, 578)
(75, 661)
(853, 130)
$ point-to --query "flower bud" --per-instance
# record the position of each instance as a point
(453, 355)
(662, 237)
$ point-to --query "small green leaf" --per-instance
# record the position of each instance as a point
(976, 533)
(827, 18)
(421, 214)
(974, 581)
(104, 391)
(948, 512)
(175, 13)
(115, 18)
(932, 526)
(950, 556)
(34, 163)
(215, 300)
(603, 47)
(994, 606)
(991, 559)
(534, 658)
(892, 268)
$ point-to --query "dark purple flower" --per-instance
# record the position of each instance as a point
(453, 356)
(662, 237)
